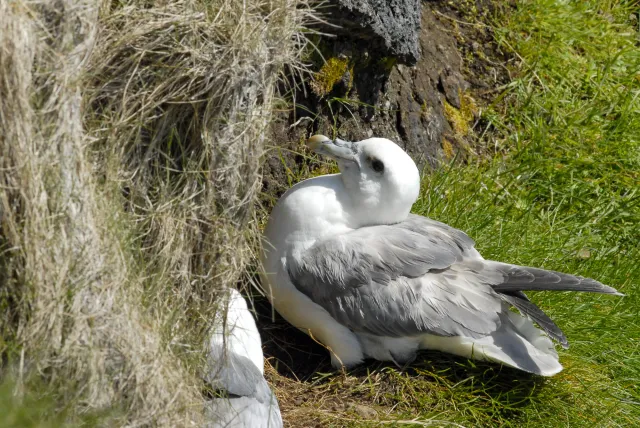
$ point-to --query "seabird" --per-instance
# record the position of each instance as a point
(236, 371)
(346, 262)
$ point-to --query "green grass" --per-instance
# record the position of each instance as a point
(31, 404)
(561, 192)
(565, 197)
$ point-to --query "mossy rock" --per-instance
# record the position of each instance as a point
(461, 119)
(335, 70)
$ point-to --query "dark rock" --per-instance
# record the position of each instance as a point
(385, 99)
(392, 24)
(450, 84)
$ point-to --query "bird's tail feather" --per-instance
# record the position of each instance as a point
(517, 343)
(523, 278)
(520, 301)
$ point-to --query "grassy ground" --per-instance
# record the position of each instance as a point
(562, 191)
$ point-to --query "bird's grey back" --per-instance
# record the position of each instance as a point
(421, 276)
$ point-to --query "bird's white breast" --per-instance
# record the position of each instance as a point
(311, 210)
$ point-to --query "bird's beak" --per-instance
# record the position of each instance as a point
(336, 149)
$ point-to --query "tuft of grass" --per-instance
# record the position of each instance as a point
(31, 403)
(559, 190)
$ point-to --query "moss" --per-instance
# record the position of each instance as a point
(388, 62)
(331, 73)
(462, 118)
(426, 110)
(447, 148)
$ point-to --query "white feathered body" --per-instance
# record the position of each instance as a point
(323, 215)
(236, 368)
(235, 332)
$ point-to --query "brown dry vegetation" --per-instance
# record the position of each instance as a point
(130, 139)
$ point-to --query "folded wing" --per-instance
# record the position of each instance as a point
(421, 276)
(398, 280)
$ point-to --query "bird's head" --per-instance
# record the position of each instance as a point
(381, 179)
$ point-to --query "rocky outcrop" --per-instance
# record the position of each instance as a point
(360, 91)
(393, 25)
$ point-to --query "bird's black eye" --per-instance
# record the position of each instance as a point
(377, 165)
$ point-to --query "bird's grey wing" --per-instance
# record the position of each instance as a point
(427, 226)
(517, 278)
(235, 374)
(245, 397)
(397, 280)
(419, 276)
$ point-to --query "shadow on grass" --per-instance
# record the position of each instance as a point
(294, 354)
(435, 377)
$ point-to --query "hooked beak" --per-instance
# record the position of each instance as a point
(336, 149)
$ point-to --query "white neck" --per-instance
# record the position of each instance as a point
(370, 210)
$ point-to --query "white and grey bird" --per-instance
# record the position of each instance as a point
(346, 262)
(236, 371)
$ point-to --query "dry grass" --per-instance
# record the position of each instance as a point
(130, 139)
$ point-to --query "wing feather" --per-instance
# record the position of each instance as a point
(388, 280)
(519, 278)
(520, 301)
(421, 276)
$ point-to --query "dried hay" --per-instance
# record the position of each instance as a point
(130, 142)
